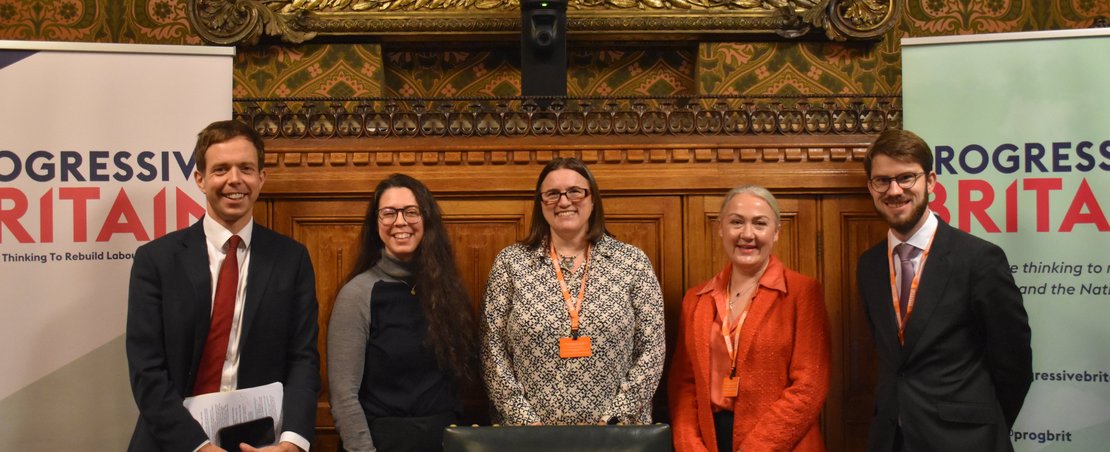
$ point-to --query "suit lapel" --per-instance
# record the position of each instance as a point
(258, 276)
(881, 304)
(934, 278)
(194, 259)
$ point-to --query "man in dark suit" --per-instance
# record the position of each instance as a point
(950, 329)
(224, 304)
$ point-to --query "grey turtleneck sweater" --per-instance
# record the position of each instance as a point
(378, 363)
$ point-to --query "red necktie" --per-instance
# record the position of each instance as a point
(223, 309)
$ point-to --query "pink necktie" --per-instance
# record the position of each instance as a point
(223, 308)
(905, 253)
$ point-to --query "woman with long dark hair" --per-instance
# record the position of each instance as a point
(401, 336)
(573, 318)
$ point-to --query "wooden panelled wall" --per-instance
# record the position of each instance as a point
(660, 195)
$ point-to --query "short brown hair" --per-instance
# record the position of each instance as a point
(901, 145)
(222, 131)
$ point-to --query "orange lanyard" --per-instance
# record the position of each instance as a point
(902, 319)
(731, 335)
(572, 306)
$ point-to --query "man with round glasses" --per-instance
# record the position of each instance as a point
(950, 330)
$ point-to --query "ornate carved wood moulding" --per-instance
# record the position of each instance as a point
(245, 21)
(702, 117)
(331, 146)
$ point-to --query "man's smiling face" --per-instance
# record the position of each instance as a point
(231, 181)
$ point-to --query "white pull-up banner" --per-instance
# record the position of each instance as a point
(95, 159)
(1020, 128)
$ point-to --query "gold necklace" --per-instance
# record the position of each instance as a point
(732, 298)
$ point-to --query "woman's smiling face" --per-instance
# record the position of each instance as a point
(400, 235)
(748, 231)
(567, 218)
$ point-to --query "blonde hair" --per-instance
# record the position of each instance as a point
(758, 191)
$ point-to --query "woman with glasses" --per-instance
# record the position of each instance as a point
(401, 340)
(751, 365)
(573, 319)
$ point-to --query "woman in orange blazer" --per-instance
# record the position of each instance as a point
(751, 368)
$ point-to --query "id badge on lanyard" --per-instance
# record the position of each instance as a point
(575, 346)
(730, 385)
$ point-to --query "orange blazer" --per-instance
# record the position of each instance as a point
(784, 366)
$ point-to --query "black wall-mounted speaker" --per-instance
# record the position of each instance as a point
(543, 47)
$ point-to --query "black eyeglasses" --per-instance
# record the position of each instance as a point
(573, 194)
(389, 214)
(906, 181)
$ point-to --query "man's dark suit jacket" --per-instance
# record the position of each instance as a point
(168, 315)
(961, 378)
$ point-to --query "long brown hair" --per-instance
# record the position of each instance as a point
(444, 300)
(540, 231)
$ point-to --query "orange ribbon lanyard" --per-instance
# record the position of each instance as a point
(572, 306)
(913, 287)
(731, 335)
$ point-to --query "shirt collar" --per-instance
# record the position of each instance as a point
(774, 278)
(217, 235)
(919, 239)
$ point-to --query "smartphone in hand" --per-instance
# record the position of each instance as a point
(257, 433)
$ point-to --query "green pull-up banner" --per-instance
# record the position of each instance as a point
(1020, 127)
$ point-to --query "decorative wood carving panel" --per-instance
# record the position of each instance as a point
(815, 167)
(329, 229)
(850, 226)
(478, 231)
(653, 224)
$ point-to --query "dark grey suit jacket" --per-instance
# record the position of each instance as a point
(960, 380)
(168, 312)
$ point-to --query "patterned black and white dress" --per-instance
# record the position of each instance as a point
(524, 315)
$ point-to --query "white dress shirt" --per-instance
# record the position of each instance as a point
(921, 239)
(216, 238)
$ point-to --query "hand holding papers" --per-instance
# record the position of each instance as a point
(222, 409)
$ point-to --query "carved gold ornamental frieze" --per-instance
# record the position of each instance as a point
(244, 22)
